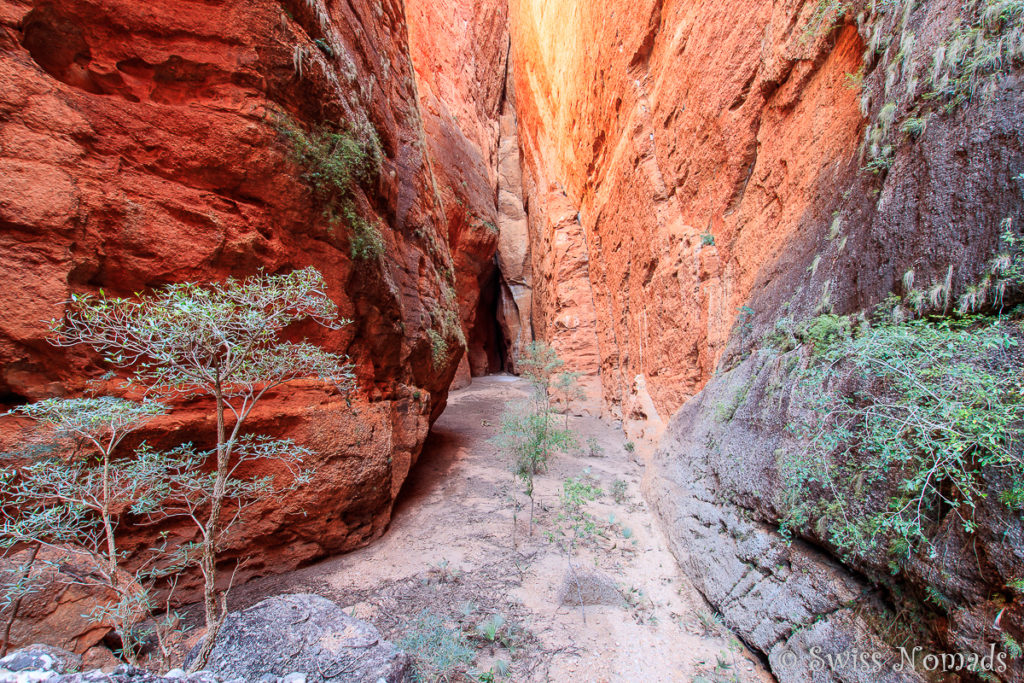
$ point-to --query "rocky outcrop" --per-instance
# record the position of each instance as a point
(737, 164)
(308, 634)
(515, 302)
(142, 144)
(284, 639)
(715, 487)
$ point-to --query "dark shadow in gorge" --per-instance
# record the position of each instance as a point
(487, 346)
(432, 469)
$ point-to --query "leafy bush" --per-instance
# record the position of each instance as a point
(366, 242)
(904, 423)
(619, 491)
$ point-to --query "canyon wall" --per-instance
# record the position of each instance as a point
(711, 170)
(146, 143)
(460, 51)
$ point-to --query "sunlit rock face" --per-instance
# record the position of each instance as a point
(140, 144)
(697, 171)
(649, 125)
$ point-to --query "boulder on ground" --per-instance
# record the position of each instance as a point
(588, 588)
(37, 663)
(304, 633)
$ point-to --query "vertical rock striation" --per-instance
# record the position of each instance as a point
(735, 164)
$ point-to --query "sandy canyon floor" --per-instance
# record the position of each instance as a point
(450, 552)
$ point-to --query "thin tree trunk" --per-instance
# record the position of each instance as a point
(208, 562)
(531, 514)
(26, 570)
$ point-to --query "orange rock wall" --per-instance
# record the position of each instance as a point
(138, 147)
(460, 51)
(664, 125)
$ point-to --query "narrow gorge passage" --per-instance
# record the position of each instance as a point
(449, 550)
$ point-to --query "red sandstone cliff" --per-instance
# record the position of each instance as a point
(139, 145)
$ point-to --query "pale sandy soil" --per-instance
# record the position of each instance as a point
(450, 550)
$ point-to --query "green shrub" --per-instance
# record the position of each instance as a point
(825, 330)
(366, 242)
(619, 491)
(334, 163)
(914, 126)
(905, 421)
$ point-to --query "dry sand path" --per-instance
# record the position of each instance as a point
(450, 551)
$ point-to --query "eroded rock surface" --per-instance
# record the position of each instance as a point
(731, 165)
(308, 634)
(141, 144)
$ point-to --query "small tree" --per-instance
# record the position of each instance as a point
(73, 500)
(530, 436)
(528, 432)
(540, 364)
(219, 341)
(566, 389)
(575, 524)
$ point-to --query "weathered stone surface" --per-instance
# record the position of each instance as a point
(713, 153)
(37, 662)
(308, 634)
(717, 506)
(706, 147)
(57, 609)
(139, 145)
(716, 485)
(460, 50)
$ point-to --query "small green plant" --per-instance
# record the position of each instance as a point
(365, 242)
(826, 15)
(594, 447)
(630, 447)
(438, 347)
(914, 127)
(499, 669)
(491, 627)
(530, 437)
(528, 430)
(707, 240)
(619, 491)
(440, 652)
(711, 622)
(1012, 647)
(334, 164)
(566, 389)
(575, 524)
